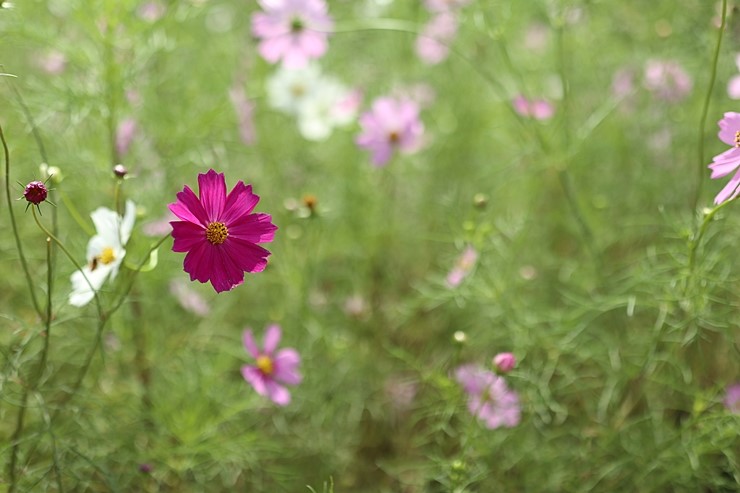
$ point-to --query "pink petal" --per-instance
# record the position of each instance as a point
(277, 393)
(212, 187)
(272, 338)
(248, 256)
(189, 208)
(227, 274)
(255, 228)
(187, 235)
(286, 366)
(725, 163)
(728, 190)
(249, 344)
(199, 262)
(255, 379)
(729, 126)
(240, 201)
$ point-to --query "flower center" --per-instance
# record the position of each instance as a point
(264, 363)
(216, 233)
(737, 138)
(296, 25)
(107, 256)
(394, 137)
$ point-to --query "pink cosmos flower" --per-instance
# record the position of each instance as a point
(667, 80)
(732, 398)
(219, 232)
(125, 133)
(504, 362)
(188, 298)
(272, 368)
(727, 162)
(463, 266)
(489, 399)
(444, 5)
(391, 124)
(539, 109)
(294, 31)
(433, 42)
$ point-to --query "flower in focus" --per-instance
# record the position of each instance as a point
(272, 369)
(667, 80)
(105, 252)
(463, 266)
(539, 109)
(727, 162)
(504, 362)
(489, 398)
(432, 45)
(732, 398)
(35, 192)
(219, 232)
(294, 31)
(244, 109)
(391, 124)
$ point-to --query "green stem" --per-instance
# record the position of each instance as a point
(705, 110)
(696, 240)
(18, 243)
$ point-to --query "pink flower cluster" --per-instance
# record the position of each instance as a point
(539, 109)
(489, 398)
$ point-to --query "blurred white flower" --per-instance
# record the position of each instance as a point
(105, 252)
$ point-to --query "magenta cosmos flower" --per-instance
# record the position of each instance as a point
(391, 124)
(219, 232)
(294, 31)
(272, 368)
(727, 162)
(489, 399)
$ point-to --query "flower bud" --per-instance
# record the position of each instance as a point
(35, 192)
(504, 362)
(120, 171)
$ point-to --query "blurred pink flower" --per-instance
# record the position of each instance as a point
(504, 362)
(294, 31)
(188, 298)
(463, 266)
(539, 109)
(54, 62)
(272, 369)
(667, 80)
(219, 232)
(725, 163)
(125, 133)
(623, 82)
(444, 5)
(732, 398)
(433, 42)
(391, 124)
(244, 109)
(151, 11)
(733, 87)
(489, 398)
(159, 227)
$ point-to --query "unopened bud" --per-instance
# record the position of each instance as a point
(504, 362)
(35, 192)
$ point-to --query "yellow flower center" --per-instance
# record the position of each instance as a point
(393, 137)
(107, 256)
(737, 138)
(216, 233)
(264, 363)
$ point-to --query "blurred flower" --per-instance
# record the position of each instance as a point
(35, 192)
(188, 298)
(120, 171)
(539, 109)
(54, 62)
(623, 82)
(391, 124)
(294, 31)
(732, 398)
(125, 133)
(464, 264)
(401, 393)
(667, 80)
(489, 399)
(733, 87)
(52, 173)
(145, 468)
(272, 368)
(422, 94)
(356, 306)
(504, 362)
(727, 162)
(151, 11)
(444, 5)
(105, 252)
(159, 227)
(244, 109)
(219, 232)
(536, 37)
(432, 44)
(287, 89)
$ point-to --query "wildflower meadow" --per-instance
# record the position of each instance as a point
(370, 246)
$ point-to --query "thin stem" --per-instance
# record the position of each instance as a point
(138, 268)
(15, 440)
(696, 240)
(18, 243)
(705, 109)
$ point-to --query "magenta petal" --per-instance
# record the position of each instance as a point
(272, 338)
(249, 344)
(188, 208)
(199, 263)
(255, 379)
(728, 190)
(250, 257)
(286, 366)
(277, 393)
(227, 274)
(240, 202)
(212, 188)
(255, 228)
(187, 236)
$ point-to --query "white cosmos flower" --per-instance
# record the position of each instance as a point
(287, 89)
(105, 252)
